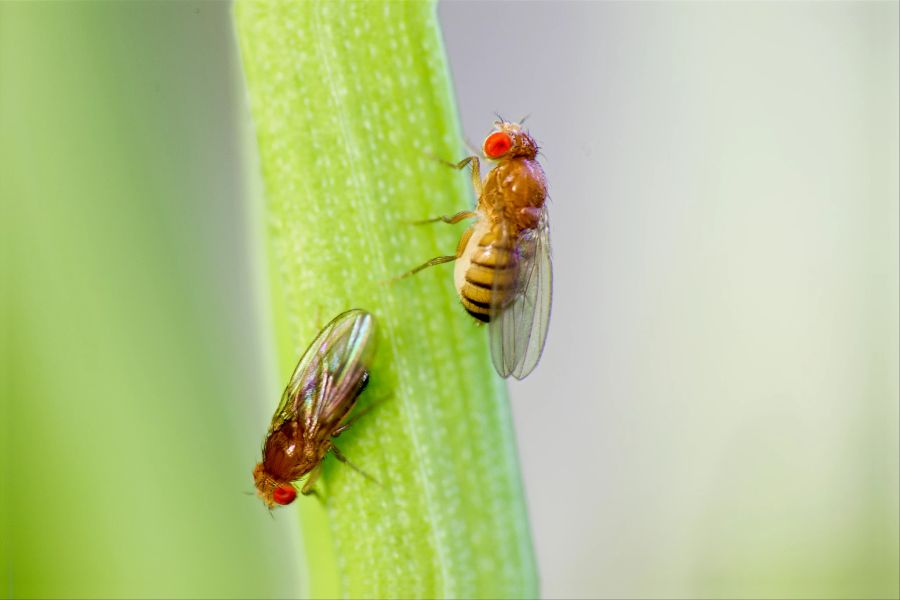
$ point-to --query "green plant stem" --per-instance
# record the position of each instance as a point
(351, 101)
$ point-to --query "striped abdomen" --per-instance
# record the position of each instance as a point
(485, 270)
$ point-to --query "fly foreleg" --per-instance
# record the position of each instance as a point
(307, 489)
(476, 172)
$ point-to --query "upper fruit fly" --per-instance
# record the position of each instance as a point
(503, 273)
(315, 407)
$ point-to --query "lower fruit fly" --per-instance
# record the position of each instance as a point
(503, 273)
(315, 407)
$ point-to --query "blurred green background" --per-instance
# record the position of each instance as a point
(136, 350)
(723, 356)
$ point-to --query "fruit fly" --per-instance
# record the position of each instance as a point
(315, 407)
(503, 272)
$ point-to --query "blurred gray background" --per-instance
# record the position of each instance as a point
(716, 410)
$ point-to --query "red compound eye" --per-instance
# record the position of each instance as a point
(497, 144)
(284, 494)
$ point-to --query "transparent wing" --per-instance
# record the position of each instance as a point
(330, 374)
(520, 319)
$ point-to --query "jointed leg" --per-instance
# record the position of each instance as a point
(356, 416)
(476, 171)
(340, 456)
(465, 214)
(307, 488)
(342, 428)
(434, 261)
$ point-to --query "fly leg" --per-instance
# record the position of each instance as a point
(349, 422)
(465, 214)
(307, 489)
(460, 248)
(434, 261)
(340, 456)
(476, 171)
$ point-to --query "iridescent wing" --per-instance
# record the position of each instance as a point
(519, 324)
(329, 376)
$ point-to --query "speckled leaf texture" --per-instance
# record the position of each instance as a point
(350, 102)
